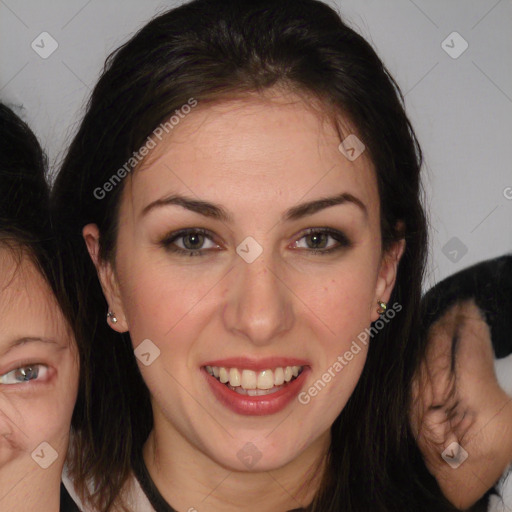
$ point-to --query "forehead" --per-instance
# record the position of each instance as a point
(26, 299)
(255, 148)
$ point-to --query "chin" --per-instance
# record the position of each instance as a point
(254, 456)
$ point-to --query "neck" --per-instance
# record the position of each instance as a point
(188, 479)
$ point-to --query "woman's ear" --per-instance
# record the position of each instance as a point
(108, 279)
(387, 275)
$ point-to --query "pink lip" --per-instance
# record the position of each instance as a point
(255, 405)
(257, 365)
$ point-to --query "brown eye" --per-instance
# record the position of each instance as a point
(318, 241)
(193, 241)
(189, 242)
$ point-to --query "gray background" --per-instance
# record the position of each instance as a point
(461, 107)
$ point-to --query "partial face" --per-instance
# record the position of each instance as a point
(38, 377)
(477, 414)
(251, 289)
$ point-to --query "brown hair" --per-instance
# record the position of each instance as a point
(209, 50)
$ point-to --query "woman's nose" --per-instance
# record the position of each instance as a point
(259, 304)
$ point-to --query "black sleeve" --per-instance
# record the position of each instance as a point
(66, 502)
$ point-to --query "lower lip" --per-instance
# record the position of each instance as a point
(256, 405)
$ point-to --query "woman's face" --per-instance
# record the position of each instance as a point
(38, 378)
(253, 295)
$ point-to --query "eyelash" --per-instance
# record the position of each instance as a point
(38, 377)
(169, 240)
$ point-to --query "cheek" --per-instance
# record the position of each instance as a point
(340, 311)
(160, 299)
(12, 439)
(338, 300)
(26, 422)
(341, 299)
(476, 363)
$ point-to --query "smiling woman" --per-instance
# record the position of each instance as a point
(239, 262)
(38, 355)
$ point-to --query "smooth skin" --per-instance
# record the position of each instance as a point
(256, 157)
(38, 386)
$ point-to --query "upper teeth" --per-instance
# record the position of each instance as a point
(249, 379)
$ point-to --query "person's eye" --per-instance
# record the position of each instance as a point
(316, 240)
(25, 374)
(189, 242)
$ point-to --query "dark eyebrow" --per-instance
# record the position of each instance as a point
(312, 207)
(22, 341)
(217, 212)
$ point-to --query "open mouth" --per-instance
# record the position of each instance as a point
(255, 383)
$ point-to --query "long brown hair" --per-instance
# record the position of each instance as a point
(209, 50)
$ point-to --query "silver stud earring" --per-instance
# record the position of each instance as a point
(112, 317)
